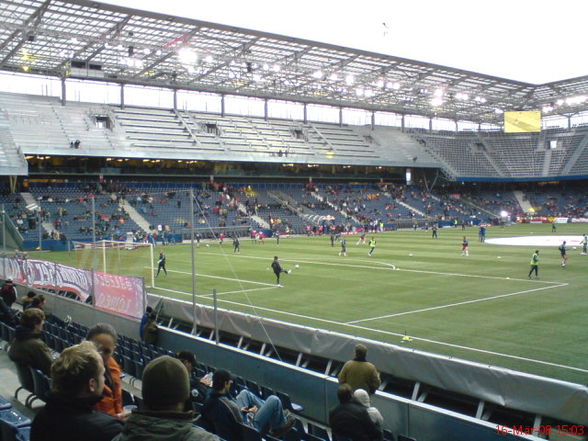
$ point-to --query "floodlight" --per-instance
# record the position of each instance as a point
(349, 80)
(438, 93)
(359, 91)
(437, 101)
(210, 59)
(146, 51)
(318, 74)
(333, 77)
(276, 68)
(187, 56)
(498, 111)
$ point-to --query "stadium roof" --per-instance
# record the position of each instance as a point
(85, 39)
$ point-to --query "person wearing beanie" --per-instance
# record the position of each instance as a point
(77, 380)
(359, 373)
(363, 398)
(226, 414)
(28, 348)
(166, 387)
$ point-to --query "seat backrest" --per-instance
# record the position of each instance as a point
(25, 377)
(250, 434)
(405, 438)
(41, 383)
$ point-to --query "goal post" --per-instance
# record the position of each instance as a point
(115, 257)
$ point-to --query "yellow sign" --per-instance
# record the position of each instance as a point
(520, 122)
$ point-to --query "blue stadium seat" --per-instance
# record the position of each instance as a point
(405, 438)
(25, 378)
(5, 404)
(250, 434)
(11, 421)
(41, 385)
(288, 404)
(318, 431)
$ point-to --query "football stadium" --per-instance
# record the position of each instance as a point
(271, 204)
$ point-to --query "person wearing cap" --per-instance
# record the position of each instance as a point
(199, 387)
(165, 388)
(359, 373)
(77, 380)
(8, 293)
(226, 414)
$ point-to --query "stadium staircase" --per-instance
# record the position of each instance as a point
(302, 211)
(321, 198)
(405, 205)
(12, 161)
(135, 216)
(523, 202)
(575, 156)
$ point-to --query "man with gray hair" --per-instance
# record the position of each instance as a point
(166, 388)
(77, 381)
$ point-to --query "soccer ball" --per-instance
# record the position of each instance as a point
(409, 254)
(207, 245)
(296, 266)
(574, 247)
(289, 271)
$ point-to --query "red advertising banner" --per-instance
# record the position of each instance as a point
(119, 294)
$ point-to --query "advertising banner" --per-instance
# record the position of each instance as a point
(119, 294)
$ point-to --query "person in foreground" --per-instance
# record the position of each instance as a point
(350, 419)
(166, 388)
(77, 381)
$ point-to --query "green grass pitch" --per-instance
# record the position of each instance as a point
(481, 307)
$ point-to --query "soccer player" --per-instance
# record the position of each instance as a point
(553, 228)
(361, 239)
(535, 264)
(278, 269)
(482, 234)
(236, 245)
(372, 245)
(584, 245)
(564, 255)
(465, 247)
(277, 238)
(434, 232)
(332, 239)
(343, 251)
(161, 264)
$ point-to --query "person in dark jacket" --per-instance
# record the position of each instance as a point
(351, 420)
(8, 293)
(151, 330)
(6, 314)
(27, 348)
(199, 387)
(144, 321)
(165, 388)
(77, 380)
(28, 300)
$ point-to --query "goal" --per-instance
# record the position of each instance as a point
(115, 257)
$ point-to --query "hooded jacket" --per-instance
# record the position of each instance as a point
(364, 399)
(27, 349)
(162, 426)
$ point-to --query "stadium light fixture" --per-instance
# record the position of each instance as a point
(187, 56)
(393, 86)
(276, 68)
(498, 111)
(437, 101)
(438, 93)
(349, 80)
(317, 74)
(146, 51)
(210, 59)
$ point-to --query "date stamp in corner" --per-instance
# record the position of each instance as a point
(542, 430)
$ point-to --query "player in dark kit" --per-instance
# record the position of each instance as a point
(535, 264)
(277, 268)
(564, 255)
(161, 264)
(434, 230)
(236, 245)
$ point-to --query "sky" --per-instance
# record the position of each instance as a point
(532, 41)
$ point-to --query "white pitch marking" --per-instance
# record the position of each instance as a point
(223, 278)
(441, 273)
(450, 305)
(380, 331)
(205, 296)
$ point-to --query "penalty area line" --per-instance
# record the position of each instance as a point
(222, 278)
(451, 305)
(209, 296)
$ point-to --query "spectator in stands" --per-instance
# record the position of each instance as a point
(363, 398)
(351, 420)
(359, 373)
(39, 301)
(104, 336)
(27, 300)
(165, 389)
(199, 387)
(8, 293)
(151, 331)
(6, 314)
(144, 321)
(226, 413)
(27, 348)
(77, 380)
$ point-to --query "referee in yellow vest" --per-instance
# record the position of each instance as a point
(372, 245)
